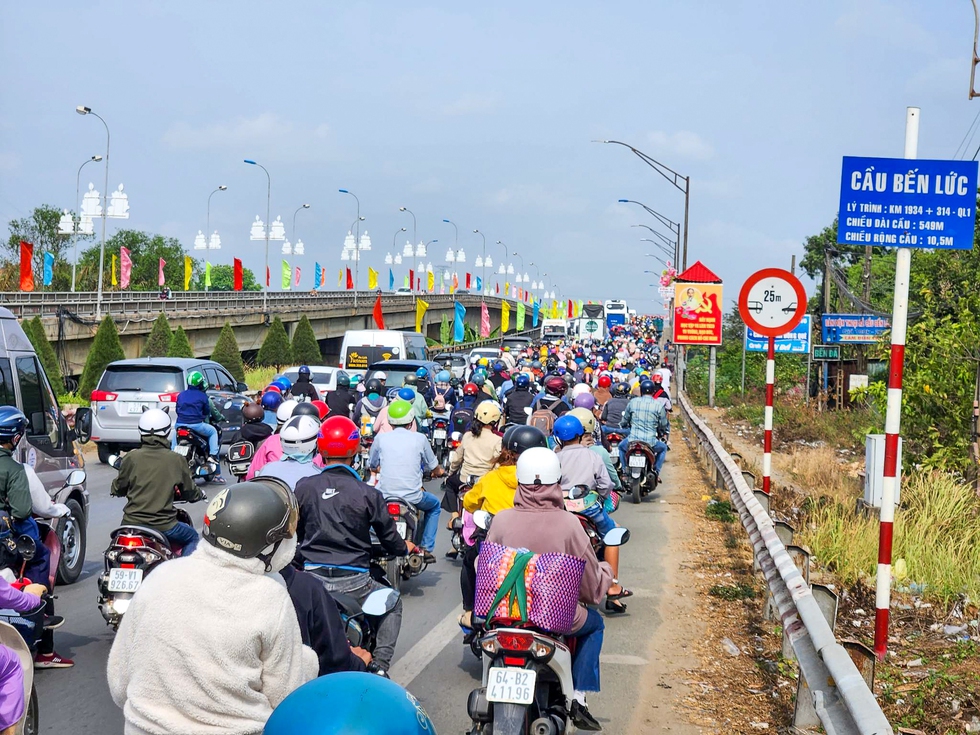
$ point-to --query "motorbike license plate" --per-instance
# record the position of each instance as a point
(638, 460)
(439, 434)
(125, 580)
(402, 528)
(182, 449)
(513, 686)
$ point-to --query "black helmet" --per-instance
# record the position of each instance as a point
(647, 387)
(247, 518)
(306, 409)
(622, 389)
(253, 412)
(373, 386)
(411, 379)
(518, 438)
(343, 381)
(13, 424)
(454, 382)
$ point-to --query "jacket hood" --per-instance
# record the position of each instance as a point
(508, 475)
(153, 440)
(376, 401)
(539, 497)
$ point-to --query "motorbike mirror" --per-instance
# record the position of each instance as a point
(456, 436)
(26, 547)
(83, 425)
(528, 410)
(114, 461)
(616, 537)
(75, 477)
(355, 635)
(481, 519)
(578, 491)
(380, 602)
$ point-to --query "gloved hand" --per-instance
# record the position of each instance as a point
(59, 510)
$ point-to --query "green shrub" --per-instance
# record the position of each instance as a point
(306, 350)
(45, 352)
(445, 330)
(106, 348)
(180, 346)
(275, 350)
(158, 343)
(226, 353)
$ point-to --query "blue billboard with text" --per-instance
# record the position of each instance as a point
(853, 329)
(796, 342)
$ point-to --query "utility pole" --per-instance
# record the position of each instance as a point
(825, 390)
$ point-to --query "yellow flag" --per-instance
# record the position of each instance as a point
(506, 289)
(504, 317)
(372, 279)
(420, 308)
(188, 269)
(432, 282)
(114, 281)
(340, 278)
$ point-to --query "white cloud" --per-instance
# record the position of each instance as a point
(242, 131)
(682, 144)
(471, 104)
(430, 185)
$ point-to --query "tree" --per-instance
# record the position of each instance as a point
(445, 330)
(145, 250)
(226, 353)
(275, 350)
(106, 348)
(158, 343)
(306, 350)
(40, 229)
(45, 352)
(180, 346)
(223, 279)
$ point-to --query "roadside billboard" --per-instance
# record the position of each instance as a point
(697, 313)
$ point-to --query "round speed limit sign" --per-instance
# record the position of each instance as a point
(772, 302)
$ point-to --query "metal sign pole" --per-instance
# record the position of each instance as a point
(767, 441)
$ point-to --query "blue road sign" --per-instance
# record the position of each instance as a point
(796, 342)
(853, 329)
(909, 203)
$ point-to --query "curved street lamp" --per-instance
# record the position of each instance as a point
(83, 110)
(74, 236)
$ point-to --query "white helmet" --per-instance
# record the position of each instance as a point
(579, 389)
(381, 375)
(538, 466)
(285, 410)
(154, 422)
(298, 436)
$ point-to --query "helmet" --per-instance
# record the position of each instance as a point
(622, 389)
(253, 412)
(479, 380)
(538, 466)
(522, 380)
(585, 416)
(13, 424)
(584, 400)
(483, 362)
(298, 436)
(338, 438)
(343, 381)
(487, 413)
(579, 389)
(359, 703)
(410, 379)
(605, 381)
(381, 375)
(555, 385)
(568, 427)
(196, 379)
(499, 367)
(321, 409)
(647, 387)
(306, 408)
(421, 373)
(273, 388)
(154, 422)
(471, 389)
(520, 437)
(406, 394)
(443, 376)
(246, 519)
(352, 380)
(304, 371)
(373, 386)
(536, 364)
(658, 377)
(271, 400)
(400, 413)
(285, 411)
(283, 382)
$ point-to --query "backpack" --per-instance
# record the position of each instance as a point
(462, 418)
(542, 419)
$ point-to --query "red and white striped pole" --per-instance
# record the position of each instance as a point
(767, 441)
(893, 417)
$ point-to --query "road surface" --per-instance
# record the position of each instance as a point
(430, 660)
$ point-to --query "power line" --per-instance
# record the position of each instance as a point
(970, 132)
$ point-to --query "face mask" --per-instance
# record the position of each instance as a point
(298, 457)
(283, 555)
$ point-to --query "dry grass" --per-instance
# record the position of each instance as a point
(821, 472)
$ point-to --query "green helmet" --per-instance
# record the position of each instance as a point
(196, 380)
(400, 413)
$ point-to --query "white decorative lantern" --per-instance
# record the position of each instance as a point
(478, 263)
(488, 262)
(287, 248)
(407, 250)
(199, 241)
(278, 231)
(258, 230)
(214, 243)
(299, 248)
(460, 256)
(388, 259)
(364, 243)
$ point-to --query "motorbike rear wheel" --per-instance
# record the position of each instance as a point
(32, 725)
(635, 489)
(508, 719)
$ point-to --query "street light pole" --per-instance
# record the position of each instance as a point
(483, 281)
(415, 237)
(663, 248)
(74, 235)
(357, 237)
(268, 227)
(82, 110)
(295, 239)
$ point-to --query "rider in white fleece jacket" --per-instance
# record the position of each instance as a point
(210, 644)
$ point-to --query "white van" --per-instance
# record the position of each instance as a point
(364, 347)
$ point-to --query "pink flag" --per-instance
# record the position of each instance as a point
(297, 276)
(161, 280)
(125, 268)
(484, 320)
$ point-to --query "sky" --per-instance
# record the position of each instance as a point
(483, 114)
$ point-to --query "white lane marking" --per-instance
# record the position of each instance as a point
(622, 659)
(405, 669)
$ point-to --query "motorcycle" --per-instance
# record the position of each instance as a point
(615, 439)
(240, 456)
(527, 677)
(408, 523)
(457, 526)
(640, 461)
(366, 442)
(440, 439)
(194, 448)
(361, 621)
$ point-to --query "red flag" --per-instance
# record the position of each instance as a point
(26, 266)
(467, 280)
(238, 275)
(379, 317)
(569, 308)
(498, 289)
(268, 278)
(411, 278)
(350, 280)
(525, 295)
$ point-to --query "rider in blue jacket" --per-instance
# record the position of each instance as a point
(194, 410)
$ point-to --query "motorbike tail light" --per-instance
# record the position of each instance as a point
(542, 649)
(183, 433)
(515, 641)
(130, 542)
(394, 509)
(489, 645)
(514, 661)
(168, 397)
(102, 395)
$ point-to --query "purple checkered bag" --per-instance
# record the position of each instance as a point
(547, 591)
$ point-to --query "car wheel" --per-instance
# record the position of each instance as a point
(104, 451)
(71, 531)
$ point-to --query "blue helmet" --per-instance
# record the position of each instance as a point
(443, 376)
(304, 370)
(421, 373)
(13, 424)
(350, 703)
(406, 394)
(522, 380)
(271, 401)
(499, 366)
(283, 382)
(561, 370)
(567, 427)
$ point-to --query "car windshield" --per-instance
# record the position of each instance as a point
(142, 378)
(396, 375)
(316, 376)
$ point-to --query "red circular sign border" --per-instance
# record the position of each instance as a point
(743, 302)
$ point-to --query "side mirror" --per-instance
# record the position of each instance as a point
(76, 477)
(355, 635)
(26, 547)
(241, 387)
(481, 519)
(228, 405)
(616, 537)
(456, 436)
(83, 425)
(114, 461)
(380, 602)
(37, 423)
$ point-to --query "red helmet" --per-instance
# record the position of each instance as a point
(273, 389)
(555, 385)
(322, 408)
(604, 381)
(338, 438)
(471, 389)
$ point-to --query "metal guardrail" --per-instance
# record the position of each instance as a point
(841, 698)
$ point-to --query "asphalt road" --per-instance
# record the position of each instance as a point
(430, 660)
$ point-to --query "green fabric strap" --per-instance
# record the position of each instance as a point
(513, 586)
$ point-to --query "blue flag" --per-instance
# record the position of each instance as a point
(317, 276)
(459, 334)
(48, 269)
(534, 316)
(479, 284)
(391, 280)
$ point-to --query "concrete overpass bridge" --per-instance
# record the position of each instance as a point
(70, 318)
